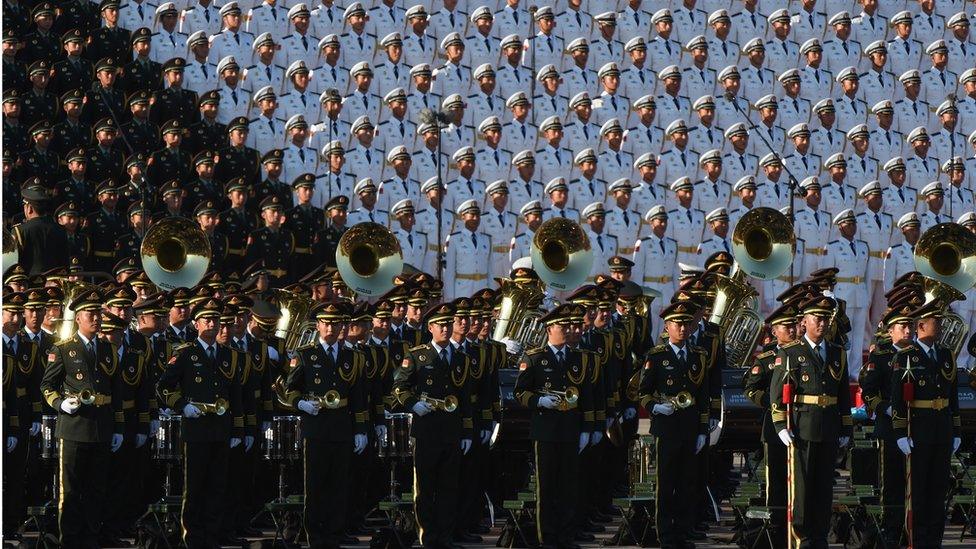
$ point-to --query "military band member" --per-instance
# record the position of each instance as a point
(272, 243)
(552, 385)
(432, 383)
(81, 376)
(304, 221)
(202, 379)
(820, 423)
(327, 238)
(756, 382)
(16, 417)
(323, 382)
(925, 419)
(876, 380)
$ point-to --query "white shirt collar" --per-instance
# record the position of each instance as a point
(925, 348)
(84, 340)
(556, 350)
(813, 346)
(677, 349)
(438, 349)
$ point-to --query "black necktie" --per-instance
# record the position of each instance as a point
(443, 354)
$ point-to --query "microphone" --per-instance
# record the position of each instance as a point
(728, 95)
(533, 9)
(427, 116)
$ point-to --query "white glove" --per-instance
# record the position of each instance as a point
(596, 437)
(584, 440)
(70, 405)
(191, 411)
(547, 401)
(166, 412)
(700, 443)
(141, 440)
(465, 446)
(381, 433)
(956, 443)
(905, 445)
(35, 428)
(235, 442)
(888, 411)
(265, 425)
(842, 441)
(248, 442)
(153, 428)
(422, 408)
(630, 413)
(513, 347)
(663, 409)
(309, 407)
(116, 442)
(11, 444)
(786, 436)
(359, 443)
(712, 424)
(485, 436)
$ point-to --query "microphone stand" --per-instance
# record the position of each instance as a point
(439, 119)
(531, 42)
(791, 180)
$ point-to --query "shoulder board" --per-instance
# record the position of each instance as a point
(659, 348)
(791, 344)
(421, 347)
(536, 351)
(909, 347)
(697, 349)
(182, 347)
(767, 354)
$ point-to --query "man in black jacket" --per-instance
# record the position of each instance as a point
(39, 234)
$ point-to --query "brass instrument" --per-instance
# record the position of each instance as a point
(763, 245)
(71, 291)
(946, 255)
(519, 313)
(368, 258)
(293, 326)
(10, 252)
(85, 396)
(447, 404)
(680, 401)
(561, 253)
(175, 253)
(564, 399)
(218, 407)
(331, 400)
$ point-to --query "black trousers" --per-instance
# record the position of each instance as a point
(557, 482)
(83, 478)
(472, 486)
(930, 482)
(677, 489)
(591, 480)
(776, 489)
(813, 485)
(204, 487)
(360, 469)
(892, 466)
(436, 474)
(236, 491)
(125, 485)
(14, 489)
(326, 491)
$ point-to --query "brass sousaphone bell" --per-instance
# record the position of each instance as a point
(946, 255)
(175, 253)
(561, 254)
(368, 258)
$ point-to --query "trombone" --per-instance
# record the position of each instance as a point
(218, 407)
(447, 404)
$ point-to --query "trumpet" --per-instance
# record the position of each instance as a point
(331, 400)
(447, 404)
(680, 401)
(219, 407)
(564, 399)
(85, 396)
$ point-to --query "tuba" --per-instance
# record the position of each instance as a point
(292, 326)
(946, 255)
(71, 290)
(175, 253)
(561, 254)
(763, 244)
(368, 258)
(519, 312)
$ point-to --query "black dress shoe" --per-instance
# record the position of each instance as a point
(465, 537)
(584, 536)
(249, 532)
(594, 528)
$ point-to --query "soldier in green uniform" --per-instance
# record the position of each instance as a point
(207, 133)
(170, 162)
(385, 356)
(106, 159)
(79, 382)
(73, 71)
(674, 390)
(202, 379)
(756, 382)
(71, 133)
(271, 185)
(272, 243)
(139, 134)
(41, 43)
(39, 234)
(40, 161)
(925, 419)
(237, 159)
(109, 39)
(104, 99)
(304, 221)
(204, 188)
(552, 383)
(206, 216)
(432, 382)
(236, 223)
(142, 73)
(876, 380)
(324, 383)
(105, 226)
(16, 419)
(69, 217)
(130, 240)
(38, 103)
(174, 102)
(327, 239)
(820, 422)
(125, 484)
(15, 137)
